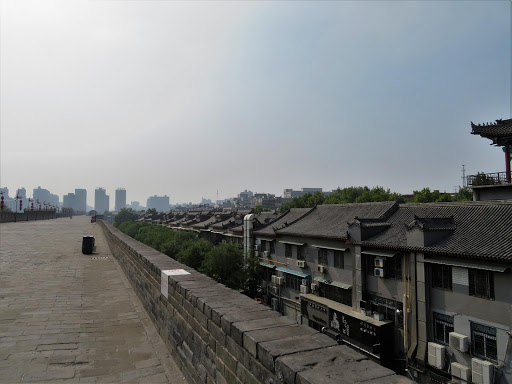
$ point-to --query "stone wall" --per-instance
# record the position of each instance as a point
(218, 335)
(8, 217)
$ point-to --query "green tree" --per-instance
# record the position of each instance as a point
(194, 253)
(259, 208)
(125, 214)
(131, 228)
(225, 263)
(482, 179)
(464, 194)
(307, 201)
(428, 196)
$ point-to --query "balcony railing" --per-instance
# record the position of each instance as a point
(496, 178)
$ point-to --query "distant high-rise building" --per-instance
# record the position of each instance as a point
(54, 200)
(69, 201)
(135, 205)
(290, 193)
(81, 199)
(22, 192)
(160, 203)
(120, 199)
(101, 201)
(41, 194)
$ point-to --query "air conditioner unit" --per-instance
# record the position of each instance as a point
(275, 303)
(304, 289)
(280, 281)
(379, 262)
(275, 290)
(301, 264)
(378, 316)
(482, 371)
(274, 279)
(264, 284)
(256, 253)
(461, 371)
(379, 272)
(266, 254)
(458, 341)
(314, 286)
(436, 355)
(321, 269)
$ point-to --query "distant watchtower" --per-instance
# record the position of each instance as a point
(498, 185)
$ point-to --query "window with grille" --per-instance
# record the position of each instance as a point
(263, 245)
(441, 276)
(443, 325)
(272, 248)
(339, 261)
(322, 256)
(393, 267)
(343, 296)
(293, 282)
(391, 309)
(288, 250)
(481, 283)
(483, 342)
(300, 252)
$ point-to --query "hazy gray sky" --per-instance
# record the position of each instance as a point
(187, 98)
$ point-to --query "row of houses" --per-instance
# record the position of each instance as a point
(425, 289)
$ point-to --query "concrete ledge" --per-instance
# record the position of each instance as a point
(220, 336)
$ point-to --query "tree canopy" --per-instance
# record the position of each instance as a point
(124, 215)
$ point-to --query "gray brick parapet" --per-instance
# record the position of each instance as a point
(218, 335)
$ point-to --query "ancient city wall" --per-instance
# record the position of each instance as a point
(8, 217)
(218, 335)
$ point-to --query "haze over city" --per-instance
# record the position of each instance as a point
(189, 98)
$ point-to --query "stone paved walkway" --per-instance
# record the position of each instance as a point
(69, 317)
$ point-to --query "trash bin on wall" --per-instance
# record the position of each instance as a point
(87, 245)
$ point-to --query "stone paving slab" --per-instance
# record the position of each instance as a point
(69, 317)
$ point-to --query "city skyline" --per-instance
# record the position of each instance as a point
(170, 98)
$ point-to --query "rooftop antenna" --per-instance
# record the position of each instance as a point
(463, 176)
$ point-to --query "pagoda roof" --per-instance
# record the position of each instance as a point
(499, 132)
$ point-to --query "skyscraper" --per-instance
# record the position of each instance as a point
(120, 199)
(41, 194)
(101, 201)
(81, 199)
(160, 203)
(69, 201)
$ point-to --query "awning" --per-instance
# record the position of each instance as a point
(332, 248)
(291, 272)
(464, 264)
(268, 265)
(333, 283)
(290, 242)
(380, 253)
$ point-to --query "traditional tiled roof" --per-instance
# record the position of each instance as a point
(260, 220)
(284, 220)
(494, 131)
(481, 229)
(332, 221)
(429, 224)
(206, 223)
